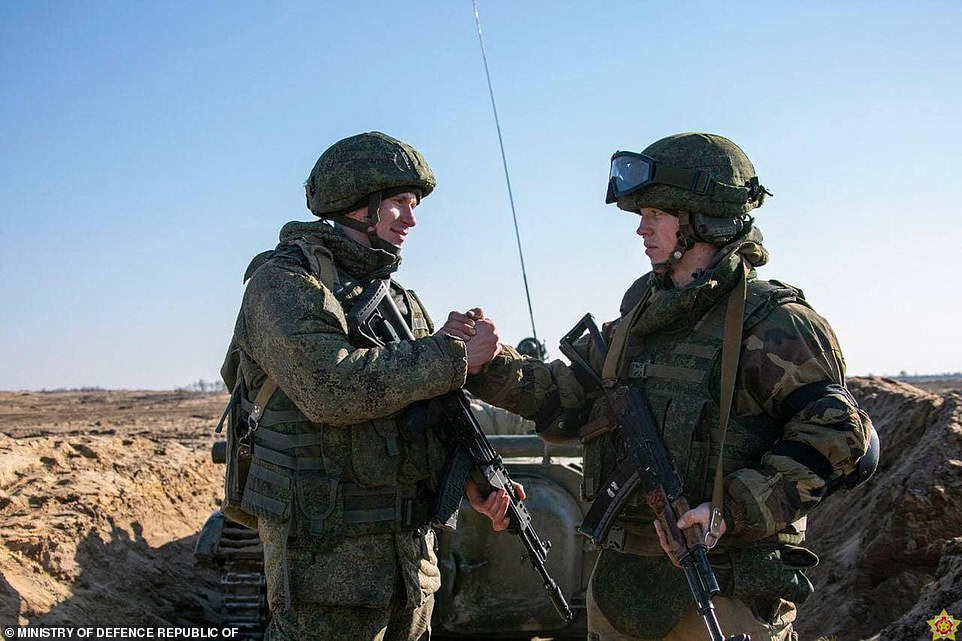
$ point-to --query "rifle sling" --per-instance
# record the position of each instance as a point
(619, 340)
(731, 349)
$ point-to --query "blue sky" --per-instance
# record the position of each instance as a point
(149, 150)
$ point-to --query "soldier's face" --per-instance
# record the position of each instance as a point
(659, 229)
(395, 218)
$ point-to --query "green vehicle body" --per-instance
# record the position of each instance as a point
(488, 589)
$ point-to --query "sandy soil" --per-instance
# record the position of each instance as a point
(102, 495)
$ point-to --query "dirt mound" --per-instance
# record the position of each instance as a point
(101, 498)
(891, 549)
(102, 495)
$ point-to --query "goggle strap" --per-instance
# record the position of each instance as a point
(696, 181)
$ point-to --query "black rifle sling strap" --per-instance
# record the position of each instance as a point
(731, 349)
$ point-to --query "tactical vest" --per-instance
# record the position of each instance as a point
(329, 482)
(678, 371)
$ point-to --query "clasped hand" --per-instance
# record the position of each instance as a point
(479, 334)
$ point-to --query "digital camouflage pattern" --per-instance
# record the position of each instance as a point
(731, 196)
(325, 556)
(370, 585)
(295, 329)
(355, 167)
(786, 348)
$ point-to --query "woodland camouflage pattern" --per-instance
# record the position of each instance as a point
(348, 577)
(785, 348)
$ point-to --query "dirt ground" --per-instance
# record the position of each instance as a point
(101, 498)
(102, 495)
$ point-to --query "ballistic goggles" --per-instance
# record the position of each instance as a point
(631, 172)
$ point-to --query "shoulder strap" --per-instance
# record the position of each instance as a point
(765, 295)
(731, 350)
(637, 291)
(619, 340)
(257, 262)
(320, 262)
(263, 397)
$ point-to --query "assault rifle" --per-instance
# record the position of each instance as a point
(645, 465)
(375, 316)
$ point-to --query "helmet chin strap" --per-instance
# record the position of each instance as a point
(373, 218)
(686, 240)
(368, 226)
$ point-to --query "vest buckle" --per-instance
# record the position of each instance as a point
(638, 369)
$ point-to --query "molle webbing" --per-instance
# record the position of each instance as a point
(270, 445)
(384, 505)
(296, 463)
(272, 417)
(646, 369)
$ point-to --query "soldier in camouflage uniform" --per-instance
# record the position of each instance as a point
(795, 430)
(343, 475)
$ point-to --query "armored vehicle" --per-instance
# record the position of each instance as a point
(488, 589)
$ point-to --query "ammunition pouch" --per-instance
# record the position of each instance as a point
(320, 506)
(640, 596)
(238, 458)
(759, 575)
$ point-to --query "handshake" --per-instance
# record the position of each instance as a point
(478, 333)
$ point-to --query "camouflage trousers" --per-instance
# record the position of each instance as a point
(734, 617)
(377, 587)
(313, 621)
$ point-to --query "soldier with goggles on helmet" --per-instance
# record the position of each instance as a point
(795, 432)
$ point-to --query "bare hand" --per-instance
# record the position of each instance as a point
(700, 515)
(483, 346)
(458, 325)
(494, 505)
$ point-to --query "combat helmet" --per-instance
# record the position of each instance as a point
(361, 170)
(704, 179)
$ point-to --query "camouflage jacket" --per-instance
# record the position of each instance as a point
(294, 328)
(794, 426)
(338, 475)
(337, 423)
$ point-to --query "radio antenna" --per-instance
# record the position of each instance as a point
(507, 178)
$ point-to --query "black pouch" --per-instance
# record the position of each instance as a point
(238, 458)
